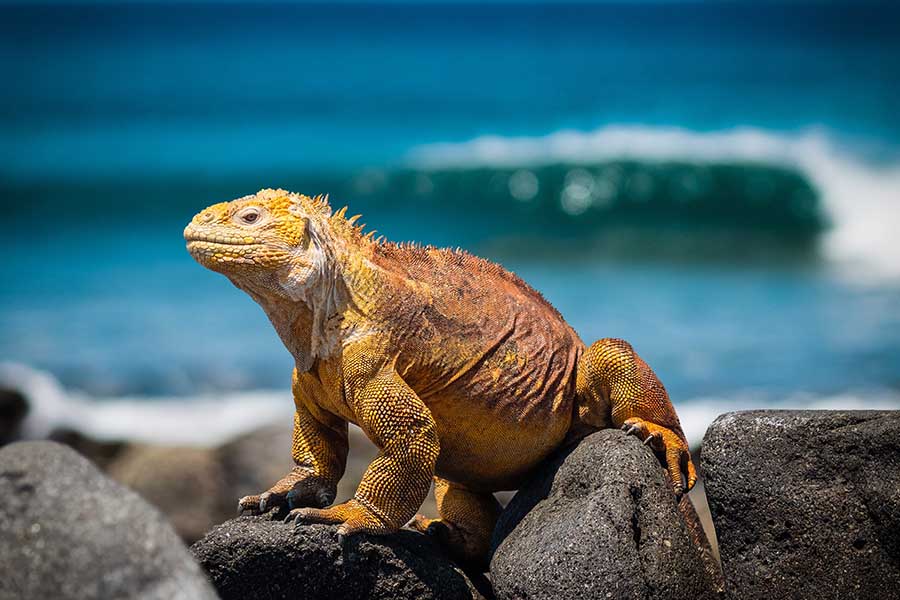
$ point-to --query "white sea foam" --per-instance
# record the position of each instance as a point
(862, 200)
(195, 420)
(211, 420)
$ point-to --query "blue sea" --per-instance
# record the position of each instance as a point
(718, 183)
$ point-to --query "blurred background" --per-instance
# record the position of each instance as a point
(717, 182)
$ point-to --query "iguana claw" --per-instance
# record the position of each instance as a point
(677, 455)
(352, 515)
(629, 428)
(249, 503)
(298, 488)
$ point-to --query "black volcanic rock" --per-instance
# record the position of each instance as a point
(68, 531)
(13, 409)
(806, 503)
(263, 557)
(600, 521)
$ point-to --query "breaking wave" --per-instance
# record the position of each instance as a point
(740, 178)
(206, 420)
(202, 420)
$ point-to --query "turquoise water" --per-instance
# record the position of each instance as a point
(718, 183)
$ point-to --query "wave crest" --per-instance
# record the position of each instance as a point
(860, 200)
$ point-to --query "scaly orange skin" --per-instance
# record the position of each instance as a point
(455, 368)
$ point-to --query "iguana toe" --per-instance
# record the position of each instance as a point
(676, 454)
(436, 528)
(470, 551)
(297, 489)
(309, 493)
(653, 440)
(258, 504)
(255, 504)
(246, 503)
(419, 523)
(353, 516)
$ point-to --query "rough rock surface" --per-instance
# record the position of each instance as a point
(214, 478)
(601, 521)
(806, 503)
(68, 531)
(262, 557)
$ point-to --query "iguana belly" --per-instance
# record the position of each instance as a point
(492, 446)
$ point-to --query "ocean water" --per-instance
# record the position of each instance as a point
(718, 183)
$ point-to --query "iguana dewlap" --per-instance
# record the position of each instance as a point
(455, 368)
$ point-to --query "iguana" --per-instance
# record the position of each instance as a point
(456, 369)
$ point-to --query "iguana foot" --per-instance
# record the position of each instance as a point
(468, 550)
(353, 516)
(675, 449)
(466, 524)
(443, 531)
(298, 488)
(437, 528)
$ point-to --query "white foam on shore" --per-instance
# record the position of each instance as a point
(210, 420)
(203, 420)
(862, 200)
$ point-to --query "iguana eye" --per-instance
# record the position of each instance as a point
(249, 215)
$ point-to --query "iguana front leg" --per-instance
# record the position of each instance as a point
(397, 481)
(611, 374)
(319, 449)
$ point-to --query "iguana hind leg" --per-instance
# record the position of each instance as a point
(612, 377)
(466, 524)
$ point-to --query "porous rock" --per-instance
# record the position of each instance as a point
(806, 503)
(600, 521)
(68, 531)
(195, 487)
(264, 557)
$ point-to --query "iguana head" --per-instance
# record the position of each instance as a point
(265, 242)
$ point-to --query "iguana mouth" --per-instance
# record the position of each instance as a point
(221, 248)
(219, 239)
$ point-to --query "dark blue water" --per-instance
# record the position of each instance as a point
(716, 182)
(180, 88)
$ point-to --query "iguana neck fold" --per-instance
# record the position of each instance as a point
(315, 315)
(317, 276)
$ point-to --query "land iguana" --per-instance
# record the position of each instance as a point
(456, 369)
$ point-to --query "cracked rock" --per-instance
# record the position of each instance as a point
(806, 503)
(600, 521)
